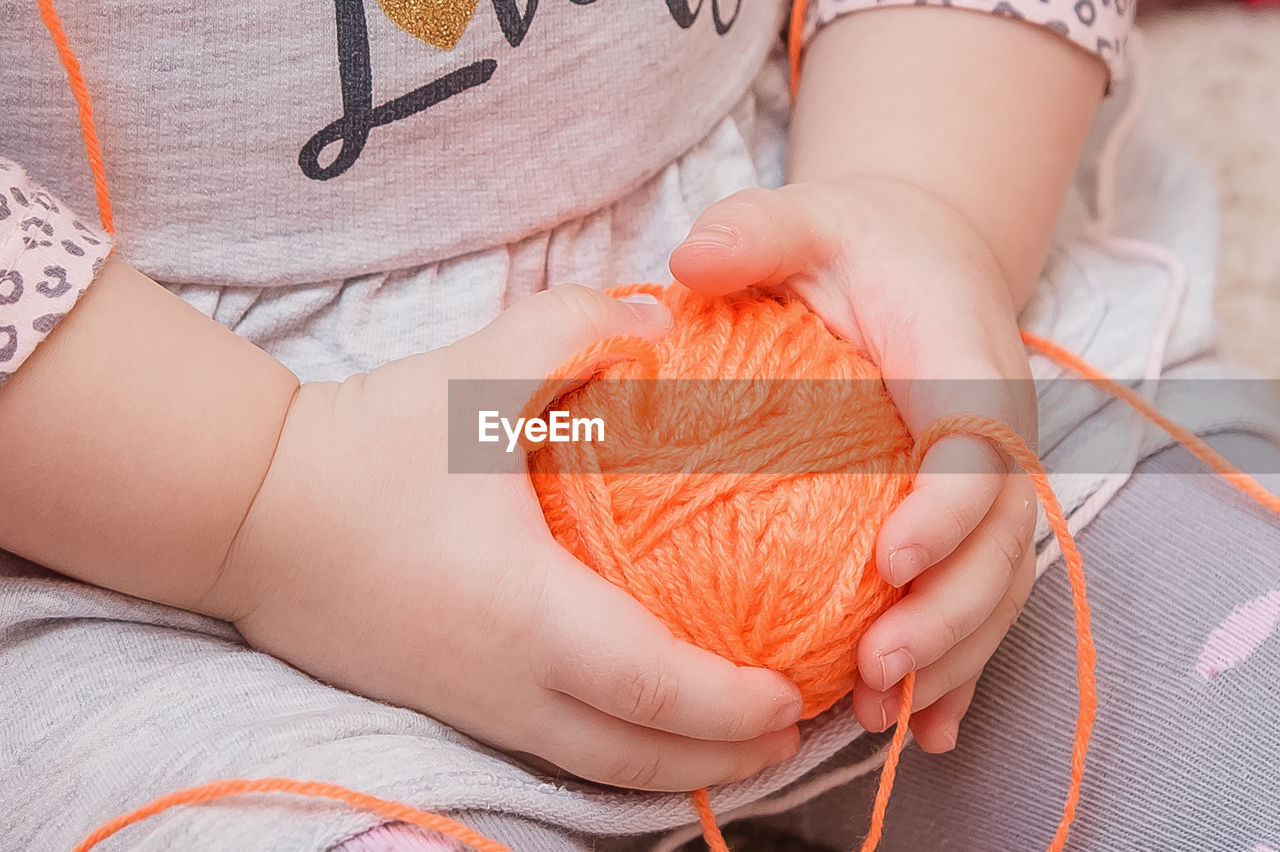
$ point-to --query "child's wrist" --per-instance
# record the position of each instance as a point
(987, 113)
(259, 556)
(941, 219)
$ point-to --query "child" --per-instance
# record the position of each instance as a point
(365, 199)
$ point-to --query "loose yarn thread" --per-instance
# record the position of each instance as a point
(84, 108)
(223, 789)
(646, 357)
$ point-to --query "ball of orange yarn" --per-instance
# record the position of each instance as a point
(763, 553)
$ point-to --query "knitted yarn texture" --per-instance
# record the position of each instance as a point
(768, 559)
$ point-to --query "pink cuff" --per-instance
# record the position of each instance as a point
(1099, 26)
(47, 259)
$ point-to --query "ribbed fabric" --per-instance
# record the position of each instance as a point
(237, 152)
(1179, 761)
(398, 837)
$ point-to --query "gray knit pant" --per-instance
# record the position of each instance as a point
(1186, 752)
(107, 702)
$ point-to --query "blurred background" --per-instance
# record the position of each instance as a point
(1217, 67)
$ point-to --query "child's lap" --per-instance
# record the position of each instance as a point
(110, 702)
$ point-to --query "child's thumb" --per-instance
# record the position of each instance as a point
(753, 238)
(538, 334)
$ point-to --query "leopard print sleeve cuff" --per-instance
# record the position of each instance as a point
(47, 259)
(1098, 26)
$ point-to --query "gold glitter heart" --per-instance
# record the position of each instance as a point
(440, 23)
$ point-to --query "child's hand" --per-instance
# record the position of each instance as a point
(913, 285)
(364, 562)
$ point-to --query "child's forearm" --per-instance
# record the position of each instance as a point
(134, 440)
(987, 113)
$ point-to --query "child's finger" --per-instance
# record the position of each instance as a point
(959, 476)
(937, 727)
(599, 645)
(536, 335)
(876, 710)
(968, 657)
(756, 237)
(937, 365)
(954, 598)
(608, 750)
(958, 481)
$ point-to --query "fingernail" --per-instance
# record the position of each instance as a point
(884, 717)
(894, 666)
(954, 736)
(906, 563)
(948, 736)
(720, 236)
(787, 715)
(651, 313)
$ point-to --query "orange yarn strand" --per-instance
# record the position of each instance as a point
(795, 42)
(1194, 443)
(889, 771)
(707, 818)
(311, 789)
(1086, 653)
(80, 91)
